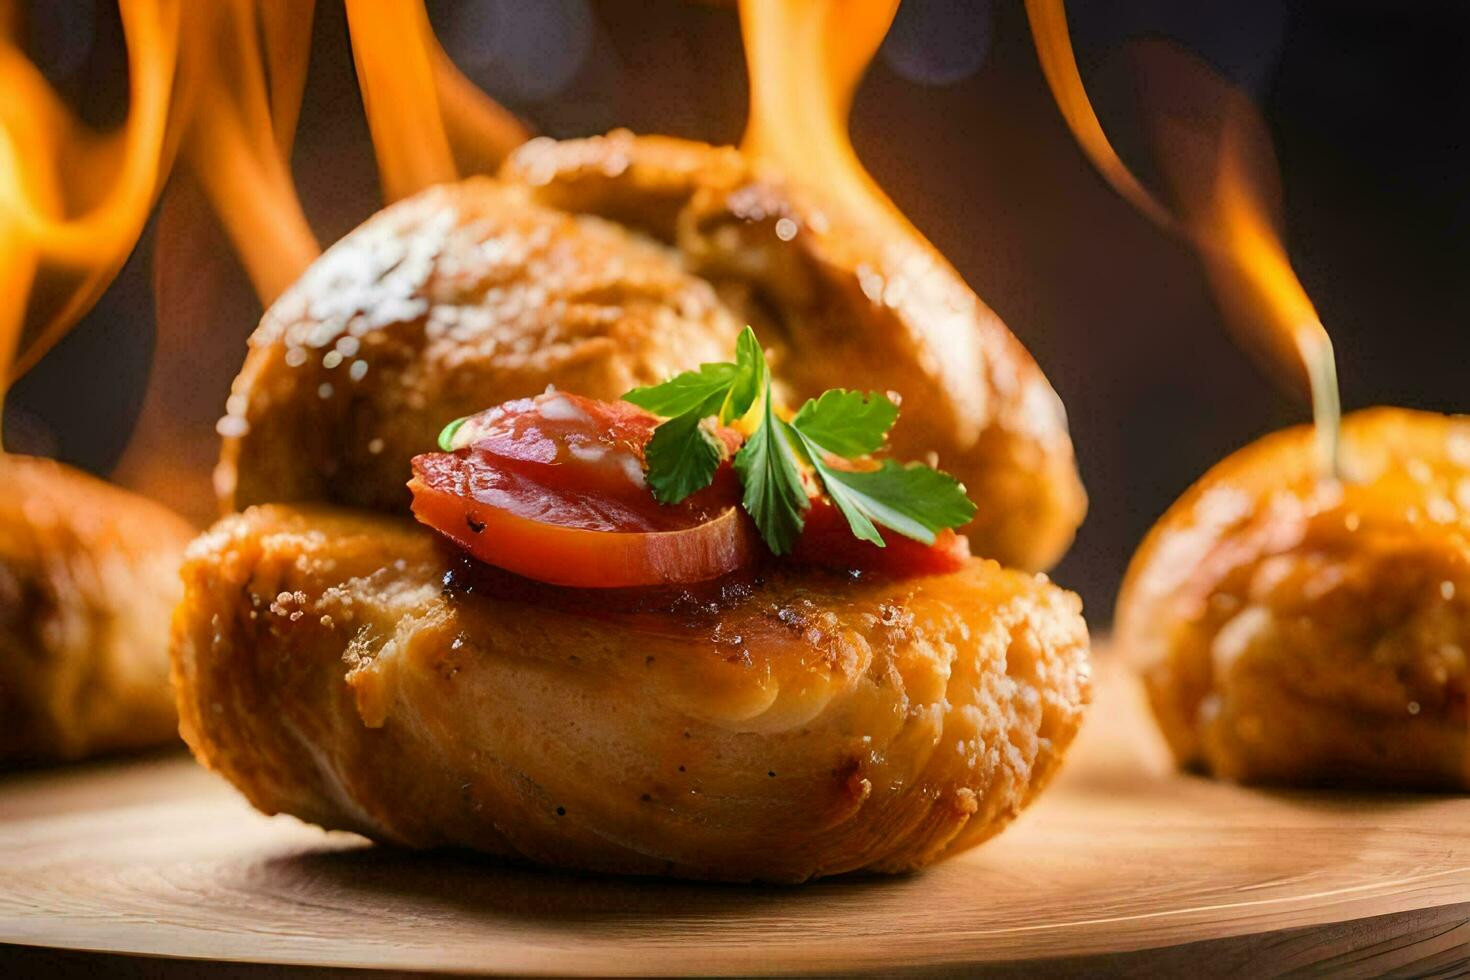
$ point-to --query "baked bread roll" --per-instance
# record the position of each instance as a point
(356, 671)
(1298, 630)
(88, 580)
(601, 264)
(340, 663)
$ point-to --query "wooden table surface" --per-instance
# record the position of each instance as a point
(1123, 867)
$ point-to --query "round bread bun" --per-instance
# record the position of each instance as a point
(338, 662)
(601, 264)
(88, 579)
(356, 671)
(1298, 630)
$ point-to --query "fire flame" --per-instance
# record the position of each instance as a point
(219, 85)
(420, 108)
(806, 58)
(1225, 213)
(244, 64)
(396, 75)
(50, 163)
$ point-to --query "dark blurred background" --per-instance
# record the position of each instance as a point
(1369, 104)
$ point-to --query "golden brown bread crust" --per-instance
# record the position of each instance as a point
(88, 578)
(808, 726)
(459, 298)
(1296, 630)
(600, 264)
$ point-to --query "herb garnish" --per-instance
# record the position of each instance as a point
(684, 453)
(447, 434)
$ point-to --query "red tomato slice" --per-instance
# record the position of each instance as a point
(827, 540)
(552, 488)
(559, 428)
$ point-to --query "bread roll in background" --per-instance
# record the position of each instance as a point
(89, 576)
(1295, 629)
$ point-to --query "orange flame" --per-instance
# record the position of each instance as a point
(806, 58)
(220, 83)
(242, 126)
(396, 74)
(49, 160)
(1225, 214)
(415, 98)
(1253, 276)
(241, 77)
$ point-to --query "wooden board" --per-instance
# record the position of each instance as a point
(1124, 866)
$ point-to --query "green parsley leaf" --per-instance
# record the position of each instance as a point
(857, 520)
(847, 423)
(683, 455)
(446, 434)
(750, 375)
(774, 496)
(686, 392)
(912, 499)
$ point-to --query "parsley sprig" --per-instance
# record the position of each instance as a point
(684, 453)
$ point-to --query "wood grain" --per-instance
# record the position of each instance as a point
(1123, 867)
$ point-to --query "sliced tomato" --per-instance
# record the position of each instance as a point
(594, 448)
(552, 488)
(561, 429)
(827, 540)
